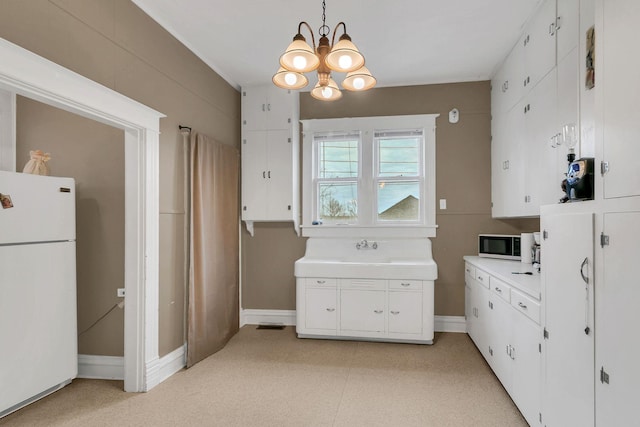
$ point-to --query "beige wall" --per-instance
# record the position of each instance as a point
(116, 44)
(463, 156)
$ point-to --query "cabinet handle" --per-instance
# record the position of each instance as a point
(269, 174)
(395, 312)
(522, 306)
(320, 281)
(268, 107)
(377, 311)
(264, 174)
(262, 107)
(584, 277)
(405, 284)
(480, 278)
(498, 290)
(331, 310)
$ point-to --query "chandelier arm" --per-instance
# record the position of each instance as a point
(313, 39)
(335, 29)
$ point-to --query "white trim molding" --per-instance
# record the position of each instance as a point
(25, 73)
(455, 324)
(162, 368)
(100, 367)
(267, 317)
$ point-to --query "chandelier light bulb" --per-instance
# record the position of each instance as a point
(345, 62)
(358, 83)
(299, 62)
(327, 92)
(290, 78)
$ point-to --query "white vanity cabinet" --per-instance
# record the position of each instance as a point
(270, 155)
(370, 309)
(504, 323)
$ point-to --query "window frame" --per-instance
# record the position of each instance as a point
(368, 176)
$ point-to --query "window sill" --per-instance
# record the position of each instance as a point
(359, 231)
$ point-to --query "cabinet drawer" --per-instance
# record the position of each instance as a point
(321, 281)
(482, 277)
(469, 271)
(372, 284)
(409, 285)
(526, 305)
(501, 289)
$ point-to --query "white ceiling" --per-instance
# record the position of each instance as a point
(405, 42)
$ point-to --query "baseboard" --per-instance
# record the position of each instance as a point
(288, 317)
(162, 368)
(100, 367)
(257, 317)
(450, 324)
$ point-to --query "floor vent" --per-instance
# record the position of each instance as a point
(270, 326)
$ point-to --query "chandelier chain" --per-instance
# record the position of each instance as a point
(324, 29)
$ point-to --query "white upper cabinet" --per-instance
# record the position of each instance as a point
(268, 107)
(540, 45)
(567, 27)
(270, 156)
(617, 74)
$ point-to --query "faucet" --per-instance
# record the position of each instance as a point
(363, 244)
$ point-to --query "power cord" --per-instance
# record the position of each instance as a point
(120, 304)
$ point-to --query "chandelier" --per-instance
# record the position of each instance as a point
(300, 58)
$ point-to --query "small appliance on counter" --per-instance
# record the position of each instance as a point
(579, 183)
(502, 246)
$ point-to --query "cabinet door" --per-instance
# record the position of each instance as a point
(513, 76)
(254, 175)
(362, 310)
(500, 318)
(254, 108)
(568, 27)
(405, 312)
(568, 391)
(482, 327)
(527, 367)
(513, 184)
(618, 349)
(279, 106)
(321, 308)
(469, 309)
(620, 88)
(279, 175)
(568, 100)
(540, 44)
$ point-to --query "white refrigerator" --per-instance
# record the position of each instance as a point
(38, 320)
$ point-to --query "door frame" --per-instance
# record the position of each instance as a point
(27, 74)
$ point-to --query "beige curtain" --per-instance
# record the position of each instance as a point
(213, 313)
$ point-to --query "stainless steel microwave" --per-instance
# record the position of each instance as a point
(501, 246)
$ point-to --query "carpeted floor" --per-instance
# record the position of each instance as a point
(271, 378)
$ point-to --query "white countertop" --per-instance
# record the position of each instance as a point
(503, 269)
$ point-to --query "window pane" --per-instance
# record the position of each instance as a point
(399, 156)
(338, 200)
(398, 201)
(338, 159)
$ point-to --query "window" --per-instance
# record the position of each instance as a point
(369, 172)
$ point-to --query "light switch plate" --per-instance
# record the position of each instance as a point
(443, 204)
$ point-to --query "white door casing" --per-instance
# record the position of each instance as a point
(27, 74)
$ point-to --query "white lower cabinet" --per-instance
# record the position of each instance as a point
(323, 308)
(373, 309)
(504, 325)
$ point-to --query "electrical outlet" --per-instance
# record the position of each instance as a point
(120, 292)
